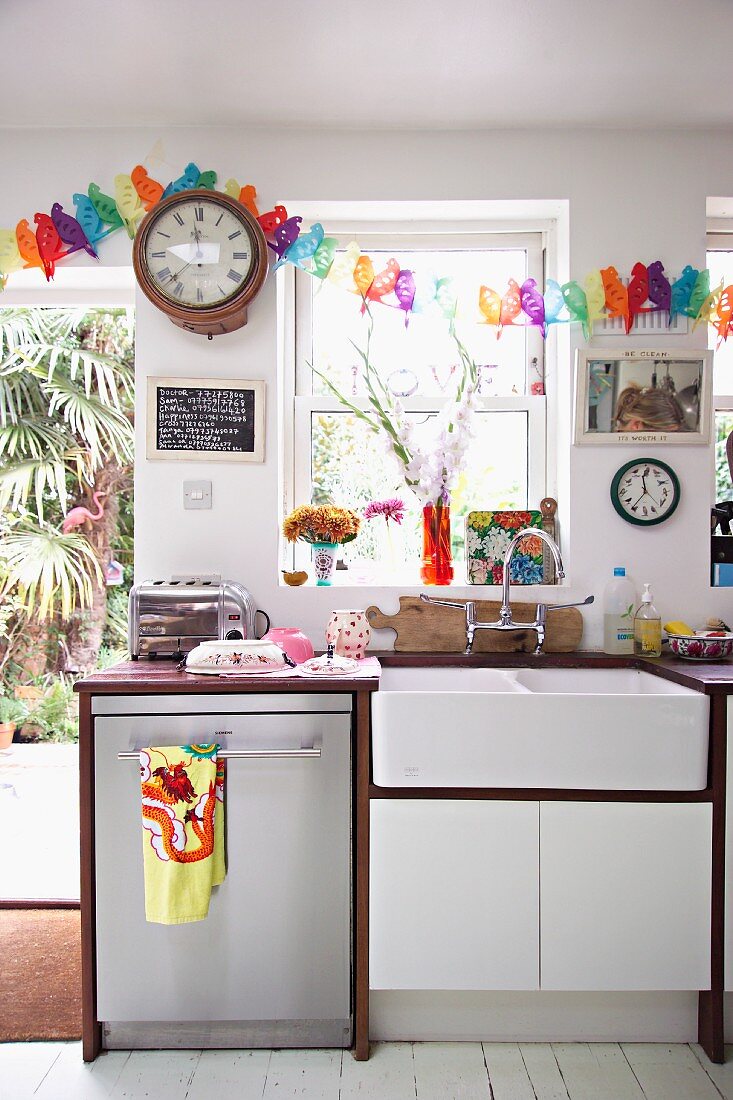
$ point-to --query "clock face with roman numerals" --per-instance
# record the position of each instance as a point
(645, 492)
(199, 253)
(200, 256)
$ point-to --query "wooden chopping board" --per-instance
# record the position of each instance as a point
(427, 628)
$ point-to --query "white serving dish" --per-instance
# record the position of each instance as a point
(239, 658)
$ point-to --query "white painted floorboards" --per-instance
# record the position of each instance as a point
(396, 1071)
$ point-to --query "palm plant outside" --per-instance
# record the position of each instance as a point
(66, 433)
(723, 428)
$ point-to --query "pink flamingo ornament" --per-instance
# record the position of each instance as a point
(79, 515)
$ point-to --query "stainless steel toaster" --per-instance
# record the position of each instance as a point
(169, 618)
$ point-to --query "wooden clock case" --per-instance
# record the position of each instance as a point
(206, 321)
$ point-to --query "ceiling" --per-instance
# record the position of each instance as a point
(371, 64)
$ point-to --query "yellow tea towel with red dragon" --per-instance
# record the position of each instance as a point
(183, 830)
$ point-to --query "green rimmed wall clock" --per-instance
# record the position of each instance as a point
(645, 491)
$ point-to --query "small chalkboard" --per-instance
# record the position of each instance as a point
(208, 419)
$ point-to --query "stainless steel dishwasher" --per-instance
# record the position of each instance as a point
(271, 964)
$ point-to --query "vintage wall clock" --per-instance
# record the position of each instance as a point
(645, 491)
(201, 258)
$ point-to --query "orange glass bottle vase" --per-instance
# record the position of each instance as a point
(437, 560)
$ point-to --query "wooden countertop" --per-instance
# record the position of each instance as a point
(161, 677)
(145, 677)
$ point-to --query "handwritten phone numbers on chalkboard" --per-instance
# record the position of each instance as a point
(197, 419)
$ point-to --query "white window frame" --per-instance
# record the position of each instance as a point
(719, 241)
(534, 406)
(298, 403)
(95, 286)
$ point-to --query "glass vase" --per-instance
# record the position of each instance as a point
(437, 560)
(386, 547)
(324, 561)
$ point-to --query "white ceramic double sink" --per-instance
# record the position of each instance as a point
(581, 729)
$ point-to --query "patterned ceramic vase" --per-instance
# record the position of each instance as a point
(350, 632)
(324, 561)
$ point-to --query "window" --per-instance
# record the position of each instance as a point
(720, 263)
(336, 457)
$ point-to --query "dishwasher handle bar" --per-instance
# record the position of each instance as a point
(247, 754)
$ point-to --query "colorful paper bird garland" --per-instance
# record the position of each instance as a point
(604, 294)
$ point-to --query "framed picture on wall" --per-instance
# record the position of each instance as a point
(206, 419)
(642, 396)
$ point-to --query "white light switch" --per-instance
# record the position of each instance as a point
(197, 494)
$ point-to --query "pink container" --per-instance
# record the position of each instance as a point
(293, 641)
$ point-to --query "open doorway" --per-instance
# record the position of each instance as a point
(66, 561)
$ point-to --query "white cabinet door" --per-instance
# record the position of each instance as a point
(454, 894)
(625, 895)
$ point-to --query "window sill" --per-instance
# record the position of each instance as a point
(408, 582)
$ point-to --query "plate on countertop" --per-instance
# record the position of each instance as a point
(325, 672)
(318, 669)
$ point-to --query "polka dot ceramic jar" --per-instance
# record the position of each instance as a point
(350, 632)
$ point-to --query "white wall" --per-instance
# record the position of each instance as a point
(635, 195)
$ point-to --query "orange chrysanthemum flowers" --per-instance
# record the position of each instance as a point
(321, 523)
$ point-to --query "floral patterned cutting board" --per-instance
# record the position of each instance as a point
(488, 535)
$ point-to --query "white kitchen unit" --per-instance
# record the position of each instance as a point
(625, 895)
(454, 894)
(510, 895)
(271, 964)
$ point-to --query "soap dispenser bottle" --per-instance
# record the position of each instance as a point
(647, 628)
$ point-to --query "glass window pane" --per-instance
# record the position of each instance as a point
(723, 428)
(350, 466)
(420, 359)
(721, 266)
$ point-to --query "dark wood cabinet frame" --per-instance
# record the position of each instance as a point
(715, 680)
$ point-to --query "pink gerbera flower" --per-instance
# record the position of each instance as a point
(391, 509)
